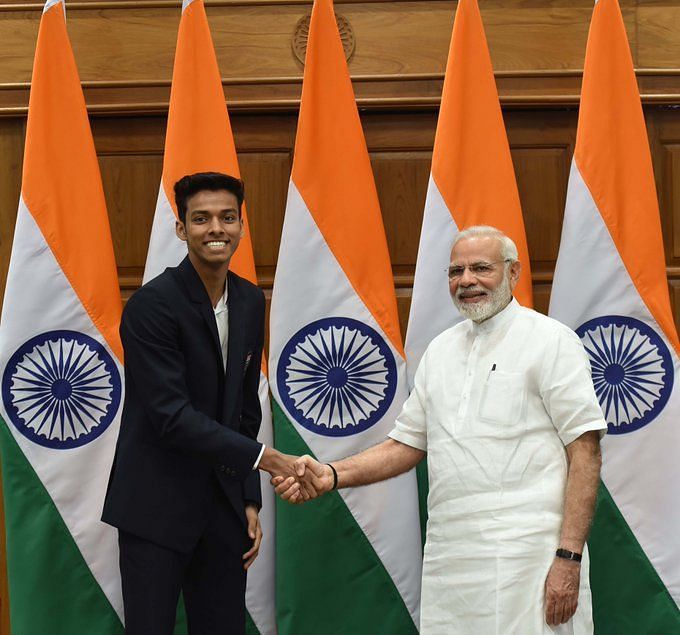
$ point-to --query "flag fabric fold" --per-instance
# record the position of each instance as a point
(199, 139)
(610, 286)
(60, 363)
(472, 182)
(349, 562)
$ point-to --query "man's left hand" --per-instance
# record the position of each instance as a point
(561, 591)
(255, 533)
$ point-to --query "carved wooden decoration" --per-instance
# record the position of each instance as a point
(301, 35)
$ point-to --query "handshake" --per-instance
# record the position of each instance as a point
(297, 479)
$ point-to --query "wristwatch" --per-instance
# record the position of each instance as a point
(568, 555)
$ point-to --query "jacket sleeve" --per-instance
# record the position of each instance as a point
(251, 410)
(153, 358)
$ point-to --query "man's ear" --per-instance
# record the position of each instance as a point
(515, 270)
(180, 230)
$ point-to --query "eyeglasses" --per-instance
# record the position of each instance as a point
(477, 269)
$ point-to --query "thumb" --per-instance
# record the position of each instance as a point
(301, 466)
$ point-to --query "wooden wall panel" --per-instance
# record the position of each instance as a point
(402, 178)
(11, 157)
(125, 49)
(127, 180)
(266, 174)
(672, 167)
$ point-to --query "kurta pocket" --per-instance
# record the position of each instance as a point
(503, 403)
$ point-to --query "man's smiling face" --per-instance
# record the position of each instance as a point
(480, 283)
(213, 228)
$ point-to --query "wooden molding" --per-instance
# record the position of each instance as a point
(415, 91)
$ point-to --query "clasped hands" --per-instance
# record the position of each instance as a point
(297, 479)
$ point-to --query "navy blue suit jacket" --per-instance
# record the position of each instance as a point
(185, 421)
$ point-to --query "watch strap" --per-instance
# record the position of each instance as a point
(568, 555)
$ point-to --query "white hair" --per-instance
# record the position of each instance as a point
(508, 247)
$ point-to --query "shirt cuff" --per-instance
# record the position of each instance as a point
(599, 425)
(413, 440)
(259, 457)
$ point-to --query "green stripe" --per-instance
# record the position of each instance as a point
(329, 578)
(51, 588)
(423, 489)
(629, 598)
(251, 629)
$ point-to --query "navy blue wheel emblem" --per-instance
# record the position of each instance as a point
(632, 370)
(61, 389)
(337, 376)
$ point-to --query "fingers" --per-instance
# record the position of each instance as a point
(562, 611)
(310, 481)
(255, 532)
(288, 489)
(561, 591)
(569, 610)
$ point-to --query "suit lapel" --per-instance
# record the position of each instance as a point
(234, 347)
(198, 295)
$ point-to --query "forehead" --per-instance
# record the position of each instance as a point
(476, 249)
(208, 200)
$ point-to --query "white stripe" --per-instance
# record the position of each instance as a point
(261, 587)
(165, 249)
(311, 285)
(640, 468)
(39, 298)
(432, 310)
(50, 3)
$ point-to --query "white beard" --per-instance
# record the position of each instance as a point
(495, 302)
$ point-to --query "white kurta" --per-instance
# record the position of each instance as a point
(494, 405)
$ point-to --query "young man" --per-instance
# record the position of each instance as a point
(184, 490)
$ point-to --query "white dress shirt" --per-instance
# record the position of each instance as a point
(222, 318)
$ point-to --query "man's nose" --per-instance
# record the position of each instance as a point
(214, 226)
(468, 278)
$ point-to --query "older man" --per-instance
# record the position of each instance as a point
(505, 409)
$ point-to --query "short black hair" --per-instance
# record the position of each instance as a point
(192, 184)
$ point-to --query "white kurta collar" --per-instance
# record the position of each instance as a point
(497, 320)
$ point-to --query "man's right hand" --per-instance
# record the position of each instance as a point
(311, 479)
(282, 467)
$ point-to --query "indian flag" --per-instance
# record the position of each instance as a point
(60, 365)
(472, 182)
(199, 139)
(610, 287)
(351, 561)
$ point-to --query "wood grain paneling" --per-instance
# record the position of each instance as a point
(266, 174)
(401, 179)
(129, 199)
(542, 180)
(11, 157)
(125, 50)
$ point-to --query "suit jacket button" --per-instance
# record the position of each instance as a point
(222, 468)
